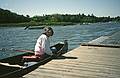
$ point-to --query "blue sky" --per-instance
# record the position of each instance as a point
(40, 7)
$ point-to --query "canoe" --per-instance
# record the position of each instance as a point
(14, 67)
(35, 27)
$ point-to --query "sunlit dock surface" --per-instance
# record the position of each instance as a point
(113, 39)
(84, 62)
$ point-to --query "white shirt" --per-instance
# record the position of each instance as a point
(43, 45)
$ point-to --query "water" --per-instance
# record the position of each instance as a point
(18, 38)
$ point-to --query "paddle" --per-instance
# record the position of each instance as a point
(26, 27)
(30, 51)
(5, 49)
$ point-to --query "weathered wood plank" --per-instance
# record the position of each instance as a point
(82, 62)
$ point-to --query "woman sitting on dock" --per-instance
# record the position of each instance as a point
(42, 46)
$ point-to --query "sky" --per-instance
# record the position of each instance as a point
(40, 7)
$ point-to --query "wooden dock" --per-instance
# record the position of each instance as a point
(82, 62)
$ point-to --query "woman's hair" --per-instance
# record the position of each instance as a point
(46, 29)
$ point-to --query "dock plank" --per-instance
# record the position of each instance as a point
(82, 62)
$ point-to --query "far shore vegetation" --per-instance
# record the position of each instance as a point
(8, 19)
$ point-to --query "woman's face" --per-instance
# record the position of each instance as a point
(49, 33)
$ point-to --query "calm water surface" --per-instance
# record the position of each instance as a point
(18, 38)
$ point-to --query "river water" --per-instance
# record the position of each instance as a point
(18, 38)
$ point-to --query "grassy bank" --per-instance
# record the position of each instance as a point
(35, 24)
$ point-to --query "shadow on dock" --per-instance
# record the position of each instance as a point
(64, 57)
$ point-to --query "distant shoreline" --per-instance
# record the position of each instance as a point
(42, 24)
(36, 24)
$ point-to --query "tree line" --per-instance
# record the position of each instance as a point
(7, 16)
